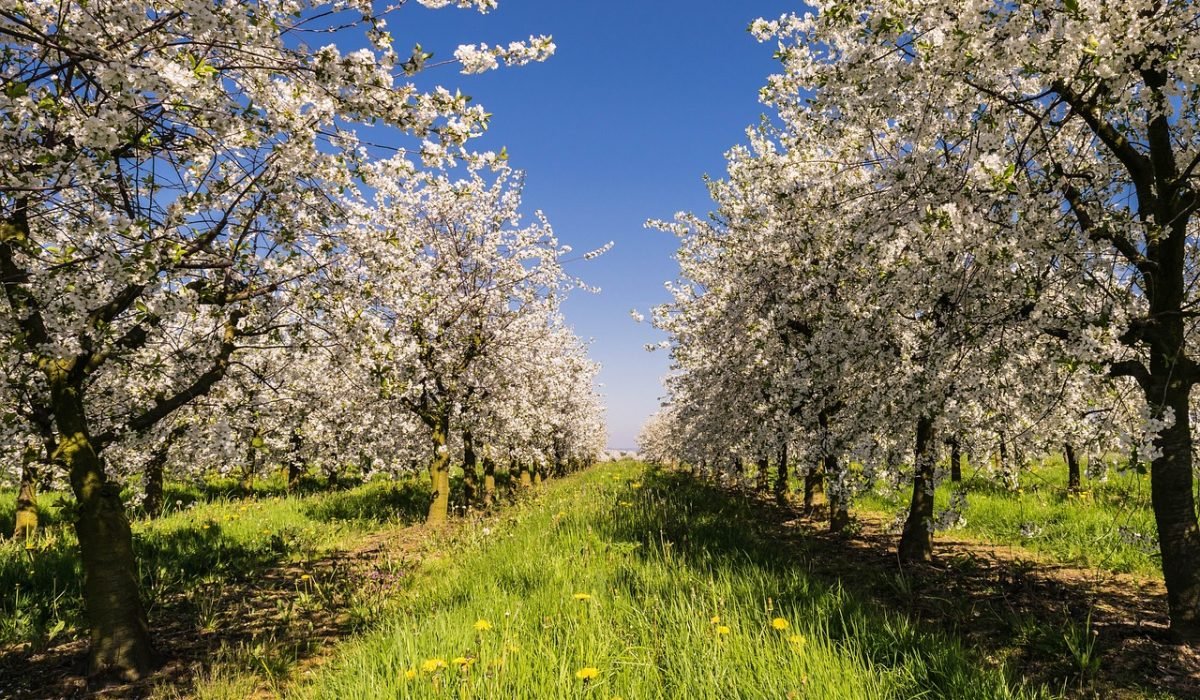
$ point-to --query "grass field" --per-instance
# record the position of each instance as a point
(1107, 526)
(620, 583)
(210, 535)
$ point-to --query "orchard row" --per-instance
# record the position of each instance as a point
(965, 228)
(224, 250)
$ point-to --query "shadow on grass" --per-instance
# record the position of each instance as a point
(404, 501)
(995, 612)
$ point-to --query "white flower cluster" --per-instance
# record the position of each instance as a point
(480, 58)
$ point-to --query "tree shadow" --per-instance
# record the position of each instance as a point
(404, 501)
(994, 611)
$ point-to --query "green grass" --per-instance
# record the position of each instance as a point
(623, 571)
(1109, 526)
(211, 533)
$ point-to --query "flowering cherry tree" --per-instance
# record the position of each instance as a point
(961, 197)
(168, 179)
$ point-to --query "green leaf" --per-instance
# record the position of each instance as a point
(16, 89)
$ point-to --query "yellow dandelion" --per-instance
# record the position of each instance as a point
(715, 619)
(305, 577)
(463, 660)
(722, 629)
(636, 485)
(582, 596)
(798, 641)
(410, 674)
(587, 673)
(482, 625)
(433, 665)
(779, 623)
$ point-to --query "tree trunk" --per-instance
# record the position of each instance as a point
(152, 501)
(526, 478)
(955, 461)
(839, 509)
(120, 637)
(814, 487)
(762, 481)
(248, 469)
(1073, 481)
(537, 476)
(916, 542)
(1172, 495)
(27, 511)
(295, 463)
(470, 469)
(781, 474)
(489, 482)
(439, 473)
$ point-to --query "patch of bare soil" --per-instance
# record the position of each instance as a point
(286, 620)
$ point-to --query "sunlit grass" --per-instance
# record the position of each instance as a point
(1109, 525)
(197, 542)
(619, 583)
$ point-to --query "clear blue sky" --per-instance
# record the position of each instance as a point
(641, 100)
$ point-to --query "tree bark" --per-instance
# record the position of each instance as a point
(439, 473)
(814, 487)
(1073, 480)
(916, 542)
(295, 463)
(526, 477)
(27, 510)
(489, 482)
(152, 501)
(762, 481)
(470, 469)
(250, 467)
(839, 510)
(1172, 496)
(120, 637)
(955, 461)
(781, 474)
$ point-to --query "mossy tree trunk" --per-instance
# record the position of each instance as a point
(119, 633)
(27, 511)
(916, 541)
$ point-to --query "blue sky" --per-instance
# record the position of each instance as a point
(640, 101)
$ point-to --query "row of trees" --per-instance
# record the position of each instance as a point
(966, 226)
(221, 248)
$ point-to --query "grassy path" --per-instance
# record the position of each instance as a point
(617, 583)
